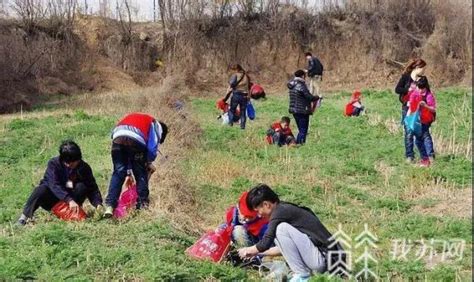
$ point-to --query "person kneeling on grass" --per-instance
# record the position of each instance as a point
(247, 226)
(354, 108)
(280, 133)
(135, 142)
(302, 239)
(67, 178)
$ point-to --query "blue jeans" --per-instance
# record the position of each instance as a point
(122, 157)
(425, 142)
(238, 99)
(302, 121)
(409, 138)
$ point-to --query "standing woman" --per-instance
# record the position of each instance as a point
(239, 85)
(405, 85)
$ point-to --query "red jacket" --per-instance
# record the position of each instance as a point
(277, 127)
(257, 227)
(140, 121)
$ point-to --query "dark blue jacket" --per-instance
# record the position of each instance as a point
(315, 67)
(57, 175)
(300, 97)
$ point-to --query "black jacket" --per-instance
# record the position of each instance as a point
(402, 87)
(300, 218)
(57, 175)
(305, 221)
(315, 67)
(300, 97)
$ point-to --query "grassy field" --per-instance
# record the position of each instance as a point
(351, 173)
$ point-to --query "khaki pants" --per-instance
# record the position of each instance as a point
(314, 83)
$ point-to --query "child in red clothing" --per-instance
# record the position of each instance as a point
(423, 99)
(247, 227)
(280, 133)
(354, 107)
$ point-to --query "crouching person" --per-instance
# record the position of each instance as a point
(280, 133)
(247, 227)
(135, 142)
(301, 237)
(67, 178)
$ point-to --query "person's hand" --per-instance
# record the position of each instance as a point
(242, 252)
(73, 206)
(150, 168)
(247, 252)
(423, 103)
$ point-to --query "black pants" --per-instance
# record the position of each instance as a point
(238, 100)
(43, 197)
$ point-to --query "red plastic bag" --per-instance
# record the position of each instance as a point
(62, 211)
(127, 200)
(221, 105)
(214, 245)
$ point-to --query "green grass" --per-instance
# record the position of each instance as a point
(350, 172)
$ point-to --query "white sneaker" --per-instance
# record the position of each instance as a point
(299, 278)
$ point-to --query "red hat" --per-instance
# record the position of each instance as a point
(243, 208)
(356, 94)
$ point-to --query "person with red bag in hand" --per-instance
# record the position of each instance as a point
(280, 133)
(405, 86)
(135, 142)
(67, 178)
(423, 99)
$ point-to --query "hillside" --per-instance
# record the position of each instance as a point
(350, 172)
(362, 45)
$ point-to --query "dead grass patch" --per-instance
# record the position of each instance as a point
(449, 199)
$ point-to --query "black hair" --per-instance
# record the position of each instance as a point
(164, 132)
(300, 73)
(259, 194)
(422, 83)
(285, 119)
(69, 151)
(308, 54)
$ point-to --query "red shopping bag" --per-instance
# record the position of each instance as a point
(62, 211)
(214, 245)
(127, 200)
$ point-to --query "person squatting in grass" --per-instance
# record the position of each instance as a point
(247, 226)
(425, 101)
(280, 133)
(354, 108)
(298, 233)
(405, 85)
(301, 104)
(67, 178)
(135, 142)
(239, 85)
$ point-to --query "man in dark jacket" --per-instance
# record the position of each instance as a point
(301, 104)
(67, 178)
(315, 73)
(303, 240)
